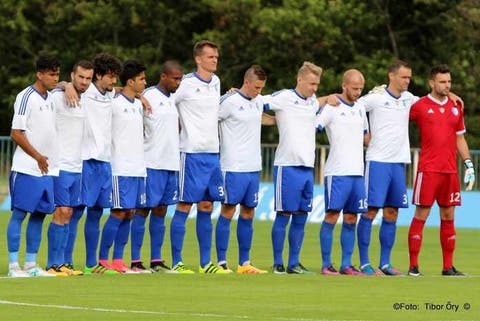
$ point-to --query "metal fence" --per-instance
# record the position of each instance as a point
(268, 153)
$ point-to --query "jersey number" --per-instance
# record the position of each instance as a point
(455, 197)
(362, 204)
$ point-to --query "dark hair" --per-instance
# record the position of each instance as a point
(105, 63)
(47, 62)
(257, 71)
(396, 65)
(440, 69)
(170, 65)
(131, 69)
(198, 47)
(85, 64)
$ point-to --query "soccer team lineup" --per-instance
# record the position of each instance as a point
(86, 146)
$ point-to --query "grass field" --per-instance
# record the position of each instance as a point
(253, 297)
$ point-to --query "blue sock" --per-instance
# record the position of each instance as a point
(364, 230)
(157, 233)
(63, 244)
(109, 233)
(204, 229)
(72, 234)
(34, 235)
(14, 230)
(222, 236)
(278, 237)
(122, 239)
(177, 234)
(387, 239)
(326, 241)
(347, 240)
(295, 238)
(138, 232)
(55, 235)
(92, 233)
(244, 237)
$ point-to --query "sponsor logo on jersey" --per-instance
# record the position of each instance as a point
(430, 111)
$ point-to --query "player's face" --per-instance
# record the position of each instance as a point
(308, 84)
(208, 60)
(106, 82)
(441, 84)
(353, 89)
(401, 78)
(172, 80)
(139, 82)
(81, 78)
(254, 88)
(49, 78)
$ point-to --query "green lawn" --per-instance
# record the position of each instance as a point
(252, 297)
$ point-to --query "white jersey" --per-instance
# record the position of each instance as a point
(198, 102)
(295, 116)
(240, 120)
(388, 116)
(69, 125)
(34, 114)
(346, 126)
(97, 134)
(161, 133)
(127, 137)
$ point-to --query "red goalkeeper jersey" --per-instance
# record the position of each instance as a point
(439, 124)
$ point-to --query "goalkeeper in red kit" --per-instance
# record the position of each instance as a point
(441, 126)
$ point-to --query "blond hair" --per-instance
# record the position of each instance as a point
(309, 68)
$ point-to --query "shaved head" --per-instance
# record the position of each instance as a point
(352, 75)
(352, 86)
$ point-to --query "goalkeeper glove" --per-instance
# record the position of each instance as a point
(378, 89)
(469, 178)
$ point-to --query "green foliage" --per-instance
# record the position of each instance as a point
(279, 35)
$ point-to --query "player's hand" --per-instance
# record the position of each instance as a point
(147, 108)
(42, 162)
(232, 90)
(456, 99)
(71, 96)
(378, 89)
(469, 178)
(333, 100)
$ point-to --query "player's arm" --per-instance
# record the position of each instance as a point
(147, 108)
(268, 120)
(366, 139)
(18, 136)
(331, 99)
(456, 99)
(462, 148)
(71, 96)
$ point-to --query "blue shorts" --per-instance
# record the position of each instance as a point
(161, 187)
(200, 178)
(385, 184)
(31, 193)
(96, 184)
(67, 189)
(128, 192)
(241, 188)
(345, 193)
(293, 188)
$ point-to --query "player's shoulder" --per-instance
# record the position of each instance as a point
(228, 97)
(282, 92)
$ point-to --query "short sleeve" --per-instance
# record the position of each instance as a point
(22, 108)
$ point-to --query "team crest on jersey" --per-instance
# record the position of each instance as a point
(455, 111)
(442, 110)
(198, 90)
